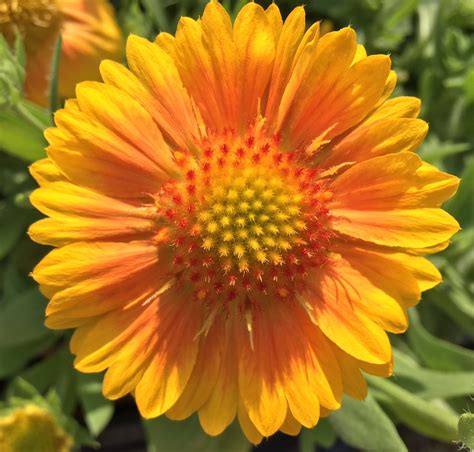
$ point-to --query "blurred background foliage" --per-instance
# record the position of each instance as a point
(431, 43)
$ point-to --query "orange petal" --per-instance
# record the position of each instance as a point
(204, 376)
(353, 332)
(255, 47)
(99, 343)
(174, 357)
(261, 386)
(252, 434)
(159, 89)
(394, 181)
(206, 59)
(44, 171)
(79, 213)
(349, 100)
(291, 426)
(399, 107)
(221, 408)
(381, 137)
(124, 116)
(274, 19)
(88, 279)
(354, 383)
(287, 45)
(401, 228)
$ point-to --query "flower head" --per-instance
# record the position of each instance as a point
(89, 33)
(239, 218)
(32, 428)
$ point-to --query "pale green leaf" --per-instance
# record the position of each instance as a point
(364, 425)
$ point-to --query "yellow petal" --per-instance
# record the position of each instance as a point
(395, 181)
(204, 375)
(255, 47)
(45, 171)
(160, 89)
(174, 357)
(353, 332)
(248, 428)
(221, 408)
(287, 45)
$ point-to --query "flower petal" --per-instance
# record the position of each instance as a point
(399, 181)
(221, 408)
(289, 39)
(255, 47)
(381, 137)
(79, 213)
(204, 376)
(174, 357)
(89, 279)
(159, 89)
(353, 332)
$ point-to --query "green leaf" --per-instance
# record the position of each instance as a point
(466, 430)
(19, 138)
(364, 425)
(22, 320)
(13, 359)
(12, 225)
(98, 411)
(436, 353)
(433, 151)
(422, 416)
(323, 435)
(157, 11)
(164, 435)
(430, 384)
(44, 374)
(461, 205)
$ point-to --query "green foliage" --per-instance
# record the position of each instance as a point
(12, 72)
(432, 48)
(164, 435)
(364, 425)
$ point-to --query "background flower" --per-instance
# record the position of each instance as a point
(89, 34)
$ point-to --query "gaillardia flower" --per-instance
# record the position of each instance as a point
(30, 428)
(89, 32)
(239, 218)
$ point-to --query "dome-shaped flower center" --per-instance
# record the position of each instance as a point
(250, 218)
(245, 217)
(36, 20)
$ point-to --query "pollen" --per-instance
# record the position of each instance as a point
(256, 222)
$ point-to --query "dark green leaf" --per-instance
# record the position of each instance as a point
(22, 319)
(12, 225)
(323, 435)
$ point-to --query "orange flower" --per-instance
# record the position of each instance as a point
(89, 33)
(239, 218)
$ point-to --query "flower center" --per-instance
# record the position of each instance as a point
(34, 19)
(246, 218)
